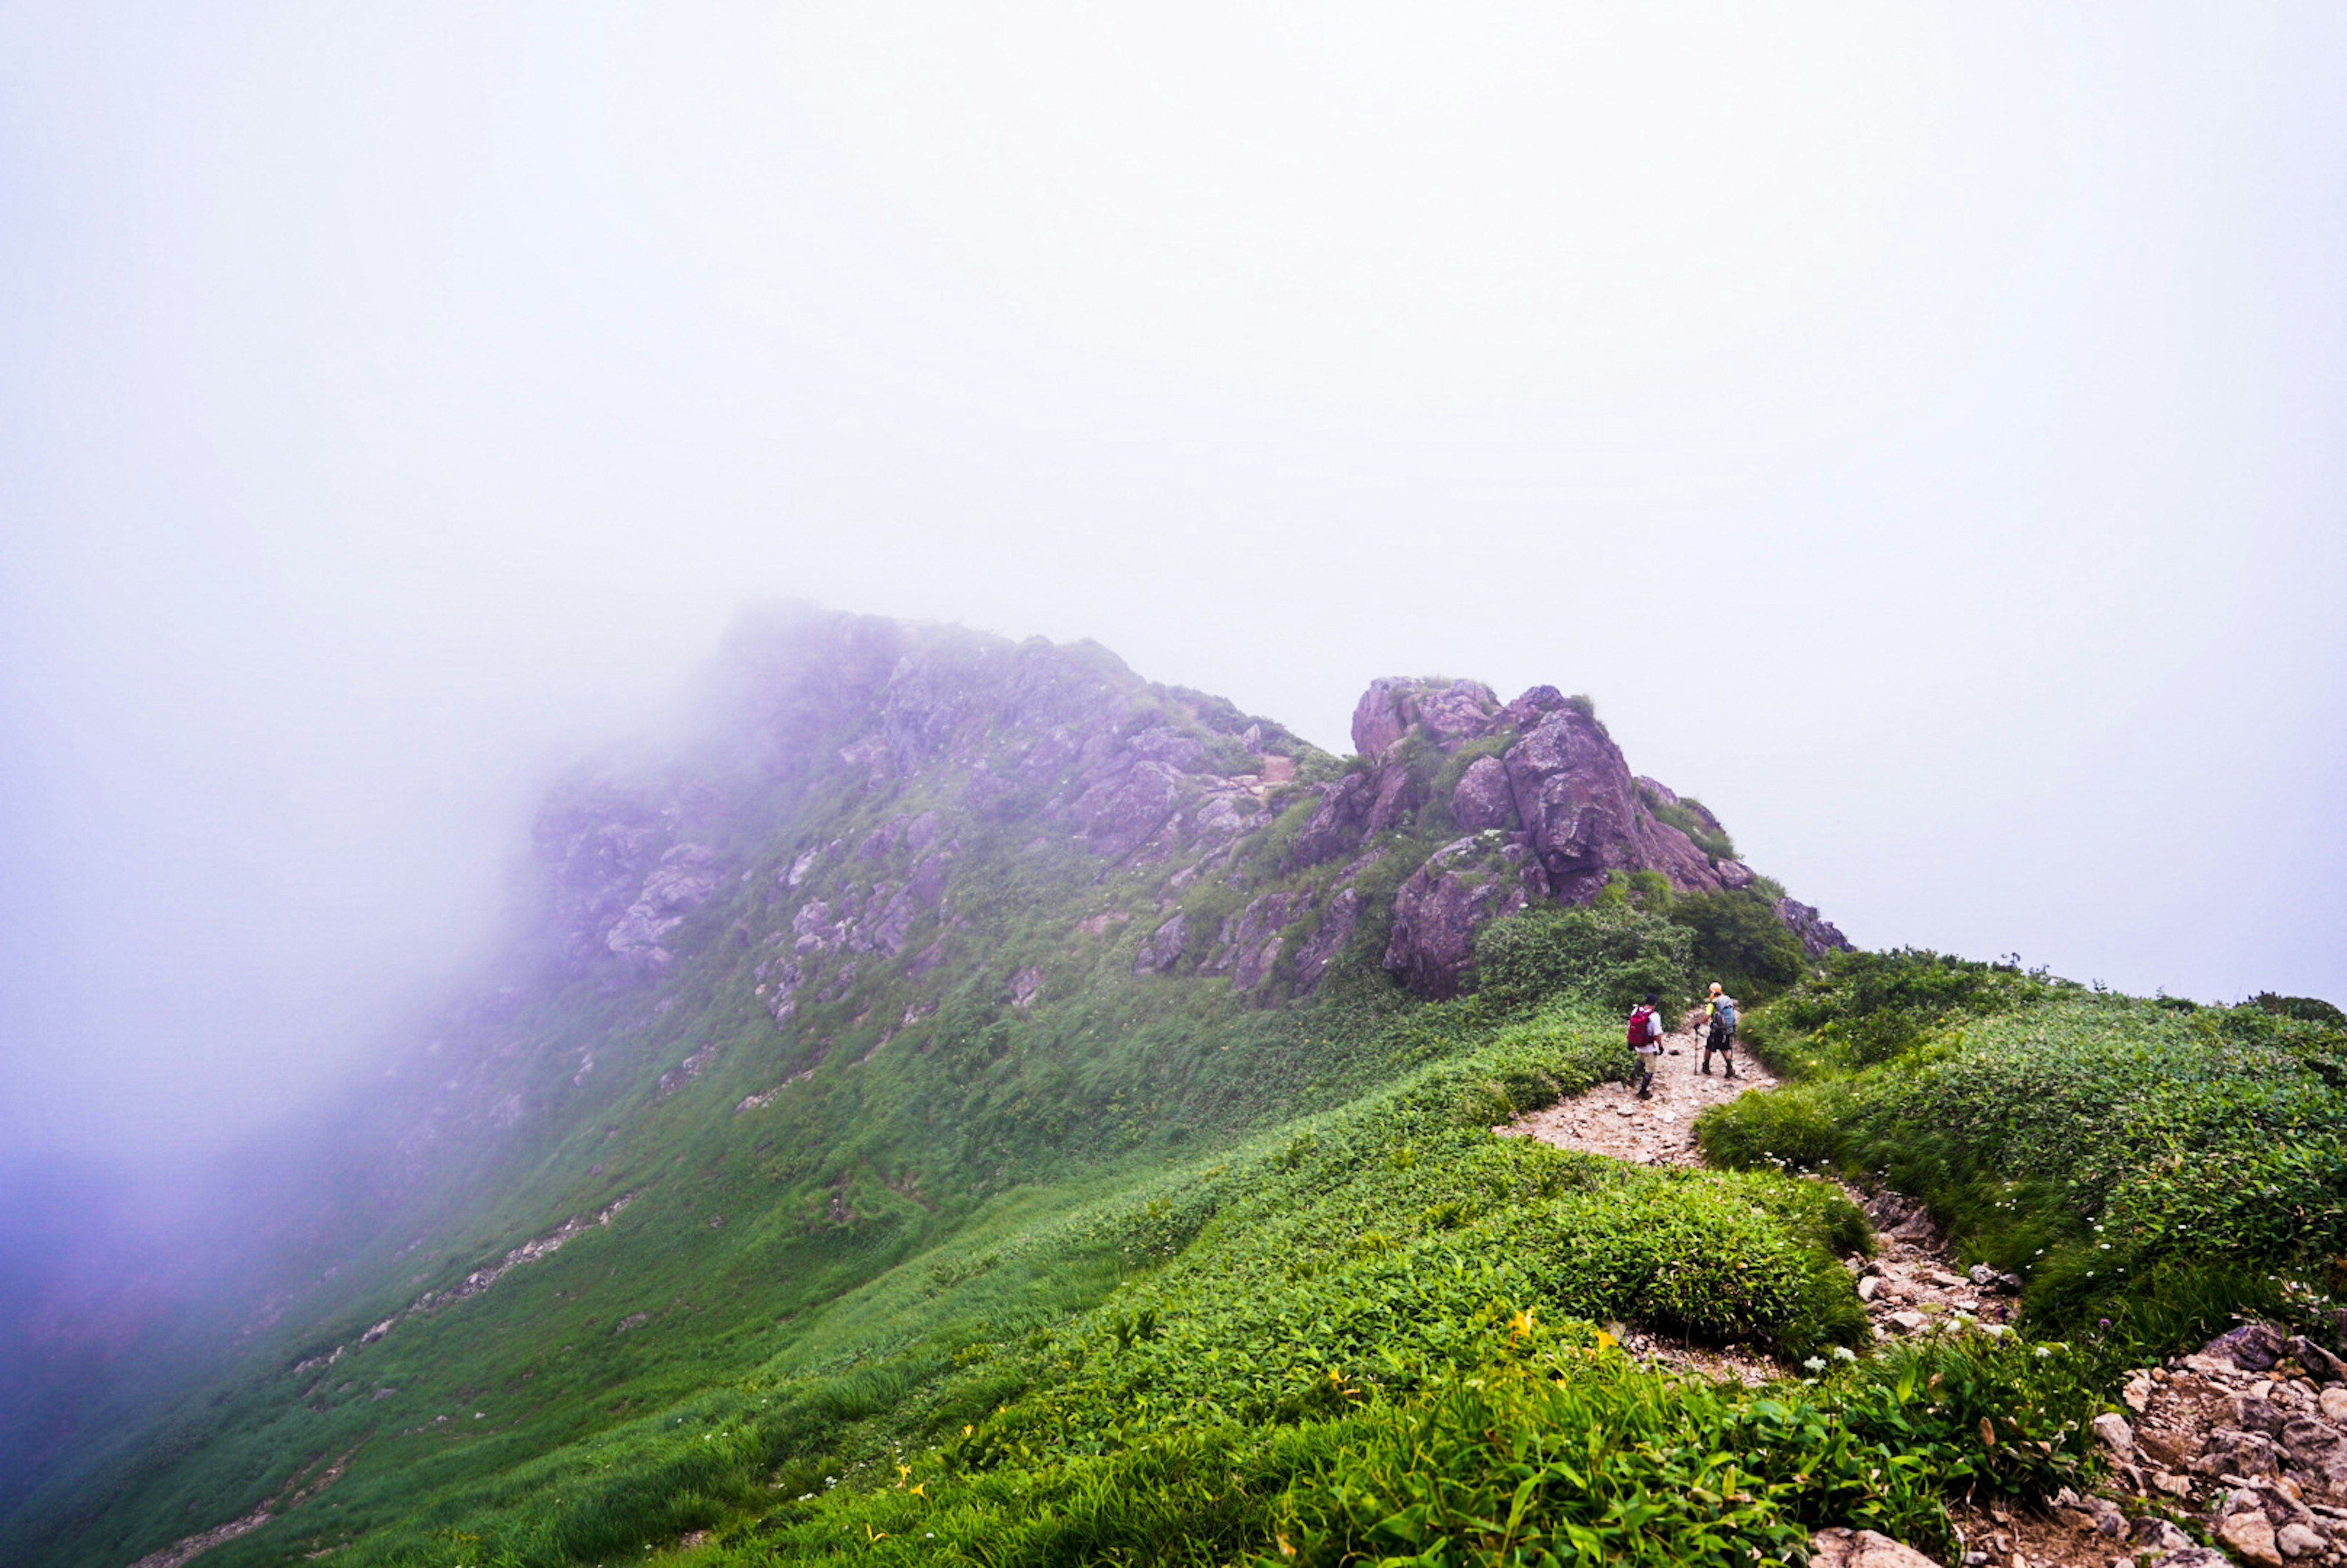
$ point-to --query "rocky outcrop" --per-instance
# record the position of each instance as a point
(1552, 808)
(680, 883)
(1530, 800)
(1818, 935)
(1391, 709)
(1440, 907)
(1483, 798)
(1251, 940)
(1320, 947)
(1162, 948)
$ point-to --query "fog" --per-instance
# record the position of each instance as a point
(1918, 427)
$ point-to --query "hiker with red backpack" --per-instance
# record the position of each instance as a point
(1646, 1040)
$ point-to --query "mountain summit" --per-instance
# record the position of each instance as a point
(1456, 809)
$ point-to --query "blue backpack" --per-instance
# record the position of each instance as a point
(1723, 1010)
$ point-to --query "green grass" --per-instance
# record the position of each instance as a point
(2158, 1167)
(1146, 1273)
(1376, 1313)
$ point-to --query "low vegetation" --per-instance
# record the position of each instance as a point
(2149, 1166)
(1123, 1281)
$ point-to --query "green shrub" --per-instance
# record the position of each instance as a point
(2305, 1010)
(1797, 1126)
(1739, 942)
(2138, 1164)
(1609, 956)
(1587, 1461)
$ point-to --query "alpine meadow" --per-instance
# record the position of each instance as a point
(971, 1104)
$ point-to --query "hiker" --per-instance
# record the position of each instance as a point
(1646, 1040)
(1719, 1029)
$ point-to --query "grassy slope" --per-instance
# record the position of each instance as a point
(2150, 1166)
(1140, 1273)
(1358, 1328)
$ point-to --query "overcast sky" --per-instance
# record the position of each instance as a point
(1919, 428)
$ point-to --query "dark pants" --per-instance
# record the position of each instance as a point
(1722, 1041)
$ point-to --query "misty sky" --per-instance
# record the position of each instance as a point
(1919, 428)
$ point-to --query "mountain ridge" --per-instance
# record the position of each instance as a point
(917, 918)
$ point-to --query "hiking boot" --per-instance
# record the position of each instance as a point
(1731, 1070)
(1706, 1064)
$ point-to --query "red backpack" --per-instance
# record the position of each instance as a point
(1638, 1017)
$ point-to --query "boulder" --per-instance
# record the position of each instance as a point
(1573, 795)
(2232, 1452)
(1382, 716)
(2252, 1414)
(1162, 948)
(2316, 1447)
(1483, 798)
(1320, 949)
(1250, 941)
(2297, 1540)
(2115, 1434)
(1863, 1548)
(1440, 906)
(2322, 1363)
(1337, 825)
(2251, 1536)
(1528, 709)
(1120, 810)
(1396, 801)
(1449, 712)
(2253, 1347)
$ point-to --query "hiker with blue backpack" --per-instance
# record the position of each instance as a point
(1719, 1029)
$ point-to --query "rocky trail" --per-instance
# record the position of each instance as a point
(2237, 1454)
(1660, 1131)
(1908, 1287)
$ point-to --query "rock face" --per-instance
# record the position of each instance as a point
(1818, 935)
(1461, 887)
(1550, 808)
(1497, 806)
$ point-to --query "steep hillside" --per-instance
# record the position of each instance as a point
(920, 919)
(975, 1104)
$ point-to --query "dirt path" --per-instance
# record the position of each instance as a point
(1909, 1286)
(1612, 1120)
